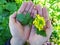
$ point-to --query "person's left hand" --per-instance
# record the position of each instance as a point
(36, 39)
(19, 32)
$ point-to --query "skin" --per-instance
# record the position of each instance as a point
(21, 33)
(35, 39)
(18, 31)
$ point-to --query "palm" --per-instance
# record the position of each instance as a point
(38, 39)
(26, 7)
(18, 30)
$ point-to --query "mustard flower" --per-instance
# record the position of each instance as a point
(39, 22)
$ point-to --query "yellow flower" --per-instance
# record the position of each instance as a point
(39, 22)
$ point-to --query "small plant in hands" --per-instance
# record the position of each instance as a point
(38, 22)
(24, 19)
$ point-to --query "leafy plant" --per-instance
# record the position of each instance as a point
(39, 23)
(24, 19)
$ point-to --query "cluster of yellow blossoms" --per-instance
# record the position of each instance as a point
(39, 22)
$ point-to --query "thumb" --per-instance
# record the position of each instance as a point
(26, 32)
(49, 28)
(32, 31)
(12, 18)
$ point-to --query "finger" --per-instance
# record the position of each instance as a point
(45, 44)
(24, 12)
(12, 18)
(39, 9)
(49, 29)
(48, 24)
(35, 12)
(22, 8)
(48, 43)
(32, 6)
(45, 13)
(28, 6)
(32, 12)
(26, 32)
(32, 31)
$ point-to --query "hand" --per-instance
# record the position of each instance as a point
(19, 32)
(49, 43)
(35, 39)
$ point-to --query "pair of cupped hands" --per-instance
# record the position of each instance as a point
(21, 33)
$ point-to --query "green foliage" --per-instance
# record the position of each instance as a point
(55, 37)
(2, 1)
(6, 8)
(24, 19)
(11, 7)
(1, 10)
(41, 32)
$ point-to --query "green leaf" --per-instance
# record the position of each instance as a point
(2, 1)
(1, 20)
(18, 1)
(41, 32)
(31, 21)
(27, 16)
(1, 9)
(20, 17)
(24, 19)
(11, 7)
(1, 28)
(58, 17)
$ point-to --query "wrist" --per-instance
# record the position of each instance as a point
(16, 41)
(35, 43)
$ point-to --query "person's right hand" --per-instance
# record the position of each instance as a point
(36, 39)
(19, 32)
(49, 43)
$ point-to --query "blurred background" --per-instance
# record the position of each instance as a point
(7, 7)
